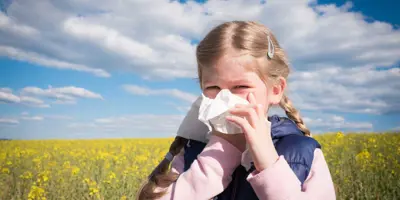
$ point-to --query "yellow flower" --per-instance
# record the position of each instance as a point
(75, 170)
(26, 175)
(43, 176)
(112, 175)
(5, 170)
(93, 191)
(52, 163)
(364, 155)
(36, 160)
(339, 135)
(66, 165)
(36, 193)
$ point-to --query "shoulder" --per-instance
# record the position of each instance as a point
(298, 143)
(299, 152)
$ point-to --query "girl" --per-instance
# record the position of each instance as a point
(245, 58)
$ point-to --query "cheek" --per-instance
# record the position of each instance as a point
(262, 97)
(241, 93)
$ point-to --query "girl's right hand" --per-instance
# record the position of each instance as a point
(237, 140)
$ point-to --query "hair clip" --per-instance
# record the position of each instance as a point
(271, 48)
(169, 156)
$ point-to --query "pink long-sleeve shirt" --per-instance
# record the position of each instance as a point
(212, 171)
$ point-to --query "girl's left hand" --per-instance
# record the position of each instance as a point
(257, 131)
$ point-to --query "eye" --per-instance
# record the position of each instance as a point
(241, 87)
(212, 87)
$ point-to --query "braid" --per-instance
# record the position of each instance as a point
(294, 115)
(161, 176)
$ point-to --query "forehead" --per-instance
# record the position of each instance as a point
(231, 69)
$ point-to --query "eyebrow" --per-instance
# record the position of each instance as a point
(207, 81)
(241, 81)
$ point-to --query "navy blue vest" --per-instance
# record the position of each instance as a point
(289, 141)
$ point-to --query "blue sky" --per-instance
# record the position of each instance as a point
(100, 70)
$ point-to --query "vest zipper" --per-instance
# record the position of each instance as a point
(234, 186)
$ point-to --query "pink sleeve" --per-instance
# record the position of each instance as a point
(208, 175)
(178, 164)
(279, 181)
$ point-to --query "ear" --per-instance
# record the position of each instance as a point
(276, 91)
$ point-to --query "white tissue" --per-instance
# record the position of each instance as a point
(213, 112)
(191, 127)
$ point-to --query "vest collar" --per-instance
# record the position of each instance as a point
(282, 126)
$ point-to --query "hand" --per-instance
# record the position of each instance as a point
(257, 131)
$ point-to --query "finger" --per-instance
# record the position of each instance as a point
(242, 123)
(251, 98)
(248, 112)
(243, 105)
(260, 111)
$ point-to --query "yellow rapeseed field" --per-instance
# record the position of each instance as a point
(363, 166)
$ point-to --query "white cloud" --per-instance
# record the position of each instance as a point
(333, 50)
(338, 119)
(354, 90)
(107, 38)
(34, 102)
(45, 93)
(167, 125)
(8, 121)
(32, 118)
(19, 120)
(75, 91)
(82, 125)
(310, 34)
(65, 101)
(140, 90)
(35, 58)
(6, 96)
(69, 93)
(58, 117)
(8, 24)
(30, 96)
(6, 90)
(333, 123)
(25, 116)
(162, 56)
(129, 125)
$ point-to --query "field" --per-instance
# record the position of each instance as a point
(363, 166)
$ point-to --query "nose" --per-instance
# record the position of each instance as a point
(226, 92)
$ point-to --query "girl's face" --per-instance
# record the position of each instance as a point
(233, 73)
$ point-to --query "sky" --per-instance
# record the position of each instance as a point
(105, 69)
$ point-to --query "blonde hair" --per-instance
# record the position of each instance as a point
(161, 177)
(249, 38)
